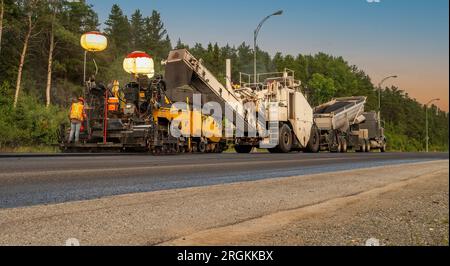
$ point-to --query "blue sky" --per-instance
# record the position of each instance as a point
(409, 38)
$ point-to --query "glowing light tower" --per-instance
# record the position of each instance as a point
(92, 42)
(139, 63)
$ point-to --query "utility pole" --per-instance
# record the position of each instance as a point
(255, 38)
(426, 123)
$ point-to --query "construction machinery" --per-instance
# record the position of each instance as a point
(137, 118)
(291, 125)
(344, 125)
(141, 115)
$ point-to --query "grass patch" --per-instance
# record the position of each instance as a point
(30, 149)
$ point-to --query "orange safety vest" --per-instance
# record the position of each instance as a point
(77, 112)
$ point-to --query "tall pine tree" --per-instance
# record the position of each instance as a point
(137, 25)
(118, 31)
(156, 38)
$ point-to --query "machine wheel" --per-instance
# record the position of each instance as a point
(182, 149)
(202, 147)
(157, 151)
(314, 141)
(243, 148)
(339, 146)
(362, 146)
(368, 147)
(383, 147)
(285, 145)
(344, 146)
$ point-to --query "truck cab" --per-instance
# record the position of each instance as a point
(375, 129)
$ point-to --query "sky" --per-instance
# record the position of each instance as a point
(408, 38)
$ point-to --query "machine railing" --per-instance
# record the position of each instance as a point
(287, 78)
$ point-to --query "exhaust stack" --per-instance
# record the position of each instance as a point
(228, 75)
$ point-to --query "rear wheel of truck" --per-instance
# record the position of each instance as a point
(383, 147)
(344, 145)
(368, 147)
(243, 148)
(314, 141)
(202, 147)
(336, 147)
(362, 146)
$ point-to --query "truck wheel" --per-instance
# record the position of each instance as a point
(181, 149)
(314, 141)
(219, 148)
(362, 147)
(243, 148)
(383, 147)
(338, 148)
(344, 145)
(202, 147)
(368, 146)
(285, 144)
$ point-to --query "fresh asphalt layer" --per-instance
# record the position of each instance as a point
(34, 180)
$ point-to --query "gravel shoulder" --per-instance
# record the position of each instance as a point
(400, 205)
(414, 212)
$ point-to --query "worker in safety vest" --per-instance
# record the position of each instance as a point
(77, 116)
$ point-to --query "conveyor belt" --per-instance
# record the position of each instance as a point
(184, 70)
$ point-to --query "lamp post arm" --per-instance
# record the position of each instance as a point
(381, 82)
(260, 26)
(255, 38)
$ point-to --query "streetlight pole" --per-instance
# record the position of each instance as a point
(255, 38)
(426, 123)
(379, 94)
(84, 68)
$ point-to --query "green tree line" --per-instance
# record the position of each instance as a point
(41, 70)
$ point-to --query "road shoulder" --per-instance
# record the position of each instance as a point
(164, 216)
(410, 212)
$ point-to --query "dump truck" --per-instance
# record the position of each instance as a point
(339, 124)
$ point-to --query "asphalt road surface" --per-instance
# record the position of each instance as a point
(28, 181)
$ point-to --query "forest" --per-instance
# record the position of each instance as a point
(41, 70)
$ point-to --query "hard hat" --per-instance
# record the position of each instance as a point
(81, 99)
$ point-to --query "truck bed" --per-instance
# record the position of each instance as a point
(340, 113)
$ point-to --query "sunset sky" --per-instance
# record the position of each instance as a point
(409, 38)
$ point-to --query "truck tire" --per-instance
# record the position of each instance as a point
(344, 146)
(368, 146)
(202, 147)
(243, 148)
(383, 147)
(336, 149)
(285, 145)
(314, 141)
(362, 147)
